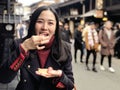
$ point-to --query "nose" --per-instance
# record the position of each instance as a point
(45, 26)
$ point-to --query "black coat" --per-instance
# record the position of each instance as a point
(66, 34)
(28, 79)
(78, 44)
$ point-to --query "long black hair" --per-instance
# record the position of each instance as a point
(56, 48)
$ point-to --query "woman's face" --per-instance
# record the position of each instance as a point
(46, 24)
(108, 25)
(66, 26)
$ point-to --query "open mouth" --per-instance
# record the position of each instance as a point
(44, 33)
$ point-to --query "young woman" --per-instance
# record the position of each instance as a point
(91, 42)
(107, 40)
(44, 60)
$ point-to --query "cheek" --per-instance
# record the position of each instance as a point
(52, 30)
(37, 28)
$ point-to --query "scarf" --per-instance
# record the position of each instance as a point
(43, 54)
(92, 37)
(108, 32)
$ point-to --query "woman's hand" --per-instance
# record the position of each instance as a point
(49, 72)
(35, 42)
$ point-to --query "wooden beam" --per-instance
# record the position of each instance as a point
(115, 7)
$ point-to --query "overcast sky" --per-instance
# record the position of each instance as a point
(28, 2)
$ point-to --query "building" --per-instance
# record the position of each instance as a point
(10, 11)
(76, 11)
(113, 9)
(27, 10)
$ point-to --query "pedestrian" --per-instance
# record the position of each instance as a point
(67, 33)
(86, 26)
(44, 60)
(21, 30)
(78, 43)
(63, 34)
(117, 44)
(91, 42)
(107, 41)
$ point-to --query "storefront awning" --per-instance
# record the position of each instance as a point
(89, 13)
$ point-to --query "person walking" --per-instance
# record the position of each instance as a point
(21, 30)
(107, 41)
(78, 43)
(44, 60)
(63, 34)
(67, 33)
(117, 44)
(91, 42)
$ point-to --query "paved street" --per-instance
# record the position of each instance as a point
(88, 80)
(102, 80)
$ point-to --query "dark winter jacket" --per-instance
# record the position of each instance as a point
(28, 79)
(78, 39)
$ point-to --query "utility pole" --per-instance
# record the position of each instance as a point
(83, 10)
(8, 6)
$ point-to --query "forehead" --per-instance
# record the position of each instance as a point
(47, 14)
(108, 23)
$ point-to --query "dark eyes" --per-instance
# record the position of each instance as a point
(39, 21)
(49, 22)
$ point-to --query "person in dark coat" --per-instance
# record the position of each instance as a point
(78, 44)
(117, 44)
(67, 33)
(63, 34)
(44, 60)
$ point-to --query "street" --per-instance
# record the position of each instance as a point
(102, 80)
(88, 80)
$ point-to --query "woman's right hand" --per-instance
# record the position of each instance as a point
(35, 42)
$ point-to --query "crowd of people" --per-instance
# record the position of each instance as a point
(91, 39)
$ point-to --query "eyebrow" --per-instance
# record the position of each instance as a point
(48, 19)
